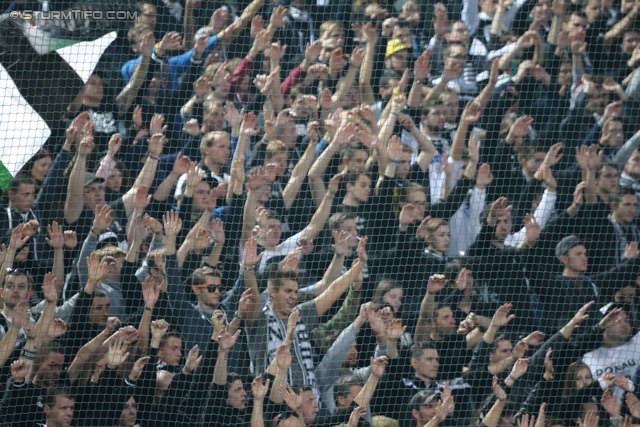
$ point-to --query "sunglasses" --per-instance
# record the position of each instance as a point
(213, 288)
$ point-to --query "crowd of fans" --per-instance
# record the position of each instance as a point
(367, 215)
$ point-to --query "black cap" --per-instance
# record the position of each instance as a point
(90, 178)
(566, 244)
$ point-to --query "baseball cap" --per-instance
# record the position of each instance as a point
(90, 178)
(395, 46)
(423, 398)
(107, 238)
(566, 244)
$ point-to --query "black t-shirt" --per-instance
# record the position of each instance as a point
(105, 121)
(82, 226)
(452, 355)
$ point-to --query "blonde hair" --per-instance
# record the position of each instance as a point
(210, 138)
(274, 148)
(111, 251)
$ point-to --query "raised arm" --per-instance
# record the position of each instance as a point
(75, 193)
(357, 56)
(126, 97)
(366, 69)
(377, 370)
(250, 258)
(321, 215)
(325, 300)
(300, 171)
(146, 176)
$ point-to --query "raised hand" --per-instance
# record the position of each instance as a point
(610, 403)
(141, 199)
(153, 225)
(283, 357)
(216, 230)
(150, 292)
(610, 319)
(159, 328)
(98, 268)
(444, 408)
(519, 368)
(421, 232)
(103, 219)
(117, 353)
(292, 323)
(258, 389)
(21, 318)
(501, 317)
(171, 41)
(422, 66)
(226, 341)
(395, 330)
(378, 366)
(193, 361)
(535, 339)
(277, 19)
(114, 145)
(361, 250)
(57, 328)
(498, 391)
(520, 349)
(49, 291)
(70, 239)
(219, 322)
(549, 370)
(436, 283)
(357, 413)
(250, 257)
(55, 239)
(590, 420)
(633, 404)
(19, 369)
(172, 223)
(527, 421)
(294, 400)
(138, 366)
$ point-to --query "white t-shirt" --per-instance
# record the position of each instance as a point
(623, 360)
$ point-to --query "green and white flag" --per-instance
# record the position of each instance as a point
(28, 111)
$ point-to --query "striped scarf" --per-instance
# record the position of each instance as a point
(277, 330)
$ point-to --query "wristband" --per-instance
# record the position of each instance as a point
(247, 268)
(28, 354)
(154, 157)
(149, 309)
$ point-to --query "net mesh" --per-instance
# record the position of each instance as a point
(319, 213)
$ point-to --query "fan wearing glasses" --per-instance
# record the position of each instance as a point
(206, 284)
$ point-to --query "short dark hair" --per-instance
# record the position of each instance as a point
(617, 195)
(99, 293)
(418, 348)
(349, 151)
(199, 276)
(343, 386)
(498, 339)
(151, 257)
(21, 178)
(606, 163)
(173, 333)
(277, 278)
(352, 177)
(17, 272)
(54, 392)
(233, 377)
(338, 218)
